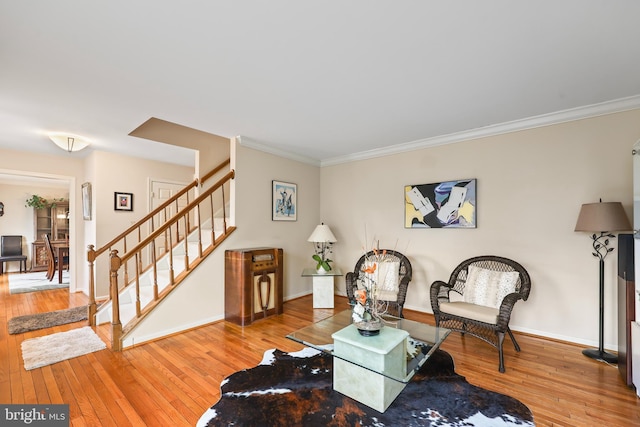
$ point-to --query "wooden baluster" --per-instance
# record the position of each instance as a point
(126, 264)
(177, 228)
(171, 272)
(166, 233)
(186, 242)
(92, 308)
(138, 256)
(116, 325)
(155, 269)
(139, 263)
(199, 227)
(224, 210)
(213, 221)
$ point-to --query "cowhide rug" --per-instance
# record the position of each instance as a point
(296, 389)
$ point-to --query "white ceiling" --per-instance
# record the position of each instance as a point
(322, 79)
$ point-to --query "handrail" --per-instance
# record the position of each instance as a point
(215, 170)
(120, 241)
(194, 208)
(146, 218)
(179, 215)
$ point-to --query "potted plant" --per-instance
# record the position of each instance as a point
(322, 265)
(38, 202)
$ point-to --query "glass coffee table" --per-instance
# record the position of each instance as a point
(372, 370)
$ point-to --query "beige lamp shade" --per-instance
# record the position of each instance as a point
(603, 217)
(322, 234)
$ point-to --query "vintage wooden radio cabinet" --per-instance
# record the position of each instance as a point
(253, 284)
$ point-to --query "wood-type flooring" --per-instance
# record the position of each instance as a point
(172, 381)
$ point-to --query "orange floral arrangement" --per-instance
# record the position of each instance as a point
(366, 307)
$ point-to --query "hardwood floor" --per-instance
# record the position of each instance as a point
(172, 381)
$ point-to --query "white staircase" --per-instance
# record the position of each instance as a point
(127, 296)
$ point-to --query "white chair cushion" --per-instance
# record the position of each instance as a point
(467, 310)
(488, 287)
(387, 295)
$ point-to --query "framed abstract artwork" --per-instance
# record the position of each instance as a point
(122, 201)
(284, 197)
(449, 204)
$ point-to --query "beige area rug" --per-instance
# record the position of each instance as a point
(32, 322)
(20, 283)
(43, 351)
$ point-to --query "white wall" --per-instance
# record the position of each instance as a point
(531, 185)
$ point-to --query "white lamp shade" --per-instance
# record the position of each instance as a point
(603, 217)
(322, 233)
(69, 142)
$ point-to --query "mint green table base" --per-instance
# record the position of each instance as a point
(384, 353)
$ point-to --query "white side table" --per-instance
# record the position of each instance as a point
(322, 286)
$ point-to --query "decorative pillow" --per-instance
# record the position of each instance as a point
(386, 276)
(488, 287)
(389, 276)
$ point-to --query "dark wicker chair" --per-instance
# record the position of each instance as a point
(491, 332)
(405, 272)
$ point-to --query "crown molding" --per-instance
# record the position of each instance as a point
(578, 113)
(250, 143)
(594, 110)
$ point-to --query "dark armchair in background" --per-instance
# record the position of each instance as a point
(11, 250)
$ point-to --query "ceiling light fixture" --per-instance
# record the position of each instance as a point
(69, 143)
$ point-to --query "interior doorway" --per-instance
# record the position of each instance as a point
(46, 181)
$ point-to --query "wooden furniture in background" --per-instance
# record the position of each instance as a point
(58, 258)
(54, 222)
(253, 284)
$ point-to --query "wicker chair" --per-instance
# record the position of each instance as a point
(404, 278)
(485, 322)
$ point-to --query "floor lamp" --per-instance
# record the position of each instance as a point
(602, 218)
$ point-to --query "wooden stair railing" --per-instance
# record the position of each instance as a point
(135, 231)
(156, 224)
(193, 211)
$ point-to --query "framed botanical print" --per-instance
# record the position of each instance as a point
(284, 205)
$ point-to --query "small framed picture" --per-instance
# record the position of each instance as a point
(122, 201)
(284, 201)
(86, 201)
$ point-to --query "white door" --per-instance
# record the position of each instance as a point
(161, 191)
